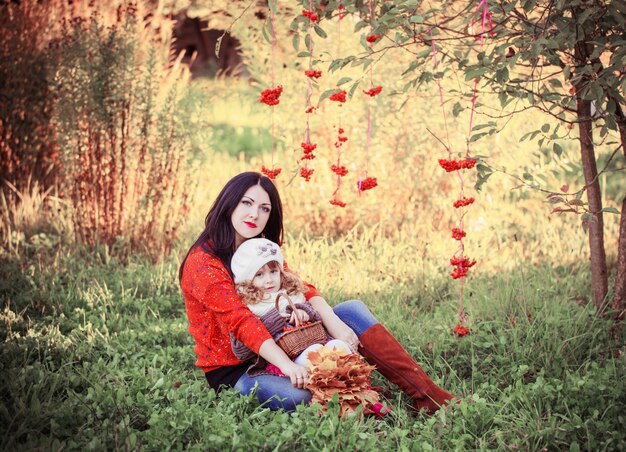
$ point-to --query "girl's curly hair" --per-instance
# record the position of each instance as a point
(289, 281)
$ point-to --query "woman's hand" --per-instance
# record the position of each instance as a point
(334, 325)
(297, 374)
(339, 330)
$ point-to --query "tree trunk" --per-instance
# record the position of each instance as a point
(619, 298)
(599, 272)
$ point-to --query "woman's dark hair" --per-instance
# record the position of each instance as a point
(218, 237)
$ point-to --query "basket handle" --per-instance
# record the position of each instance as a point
(293, 307)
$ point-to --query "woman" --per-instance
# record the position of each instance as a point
(249, 206)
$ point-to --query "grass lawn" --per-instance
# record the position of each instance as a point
(97, 356)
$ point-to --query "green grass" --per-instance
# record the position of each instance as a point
(97, 356)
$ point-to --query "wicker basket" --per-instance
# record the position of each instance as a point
(295, 341)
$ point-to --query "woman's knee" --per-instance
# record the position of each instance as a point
(356, 315)
(274, 392)
(287, 399)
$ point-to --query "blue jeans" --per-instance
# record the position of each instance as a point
(277, 392)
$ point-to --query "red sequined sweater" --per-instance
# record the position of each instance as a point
(214, 310)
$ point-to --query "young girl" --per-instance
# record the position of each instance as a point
(260, 277)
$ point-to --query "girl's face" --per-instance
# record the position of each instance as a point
(267, 278)
(251, 214)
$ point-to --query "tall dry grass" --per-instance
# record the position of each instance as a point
(105, 89)
(27, 147)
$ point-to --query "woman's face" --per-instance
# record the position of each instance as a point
(251, 214)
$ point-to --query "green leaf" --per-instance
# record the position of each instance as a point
(304, 54)
(367, 62)
(360, 25)
(295, 41)
(477, 136)
(504, 98)
(354, 87)
(566, 72)
(326, 94)
(555, 83)
(480, 180)
(555, 199)
(611, 210)
(343, 80)
(484, 126)
(272, 5)
(472, 73)
(320, 32)
(411, 67)
(502, 75)
(266, 36)
(557, 149)
(416, 19)
(610, 122)
(457, 109)
(545, 128)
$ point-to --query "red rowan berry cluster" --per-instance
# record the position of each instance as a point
(374, 91)
(271, 173)
(339, 96)
(310, 14)
(271, 96)
(339, 170)
(312, 73)
(455, 165)
(463, 202)
(306, 173)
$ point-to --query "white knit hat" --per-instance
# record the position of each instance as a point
(251, 256)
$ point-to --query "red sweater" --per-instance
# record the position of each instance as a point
(214, 310)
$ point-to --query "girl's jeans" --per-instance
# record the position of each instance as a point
(277, 392)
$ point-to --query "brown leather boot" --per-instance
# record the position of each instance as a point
(381, 349)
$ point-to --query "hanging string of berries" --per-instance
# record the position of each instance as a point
(311, 74)
(365, 182)
(461, 263)
(271, 97)
(339, 169)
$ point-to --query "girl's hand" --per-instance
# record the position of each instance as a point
(297, 374)
(292, 318)
(303, 316)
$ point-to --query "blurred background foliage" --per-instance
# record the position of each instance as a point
(219, 128)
